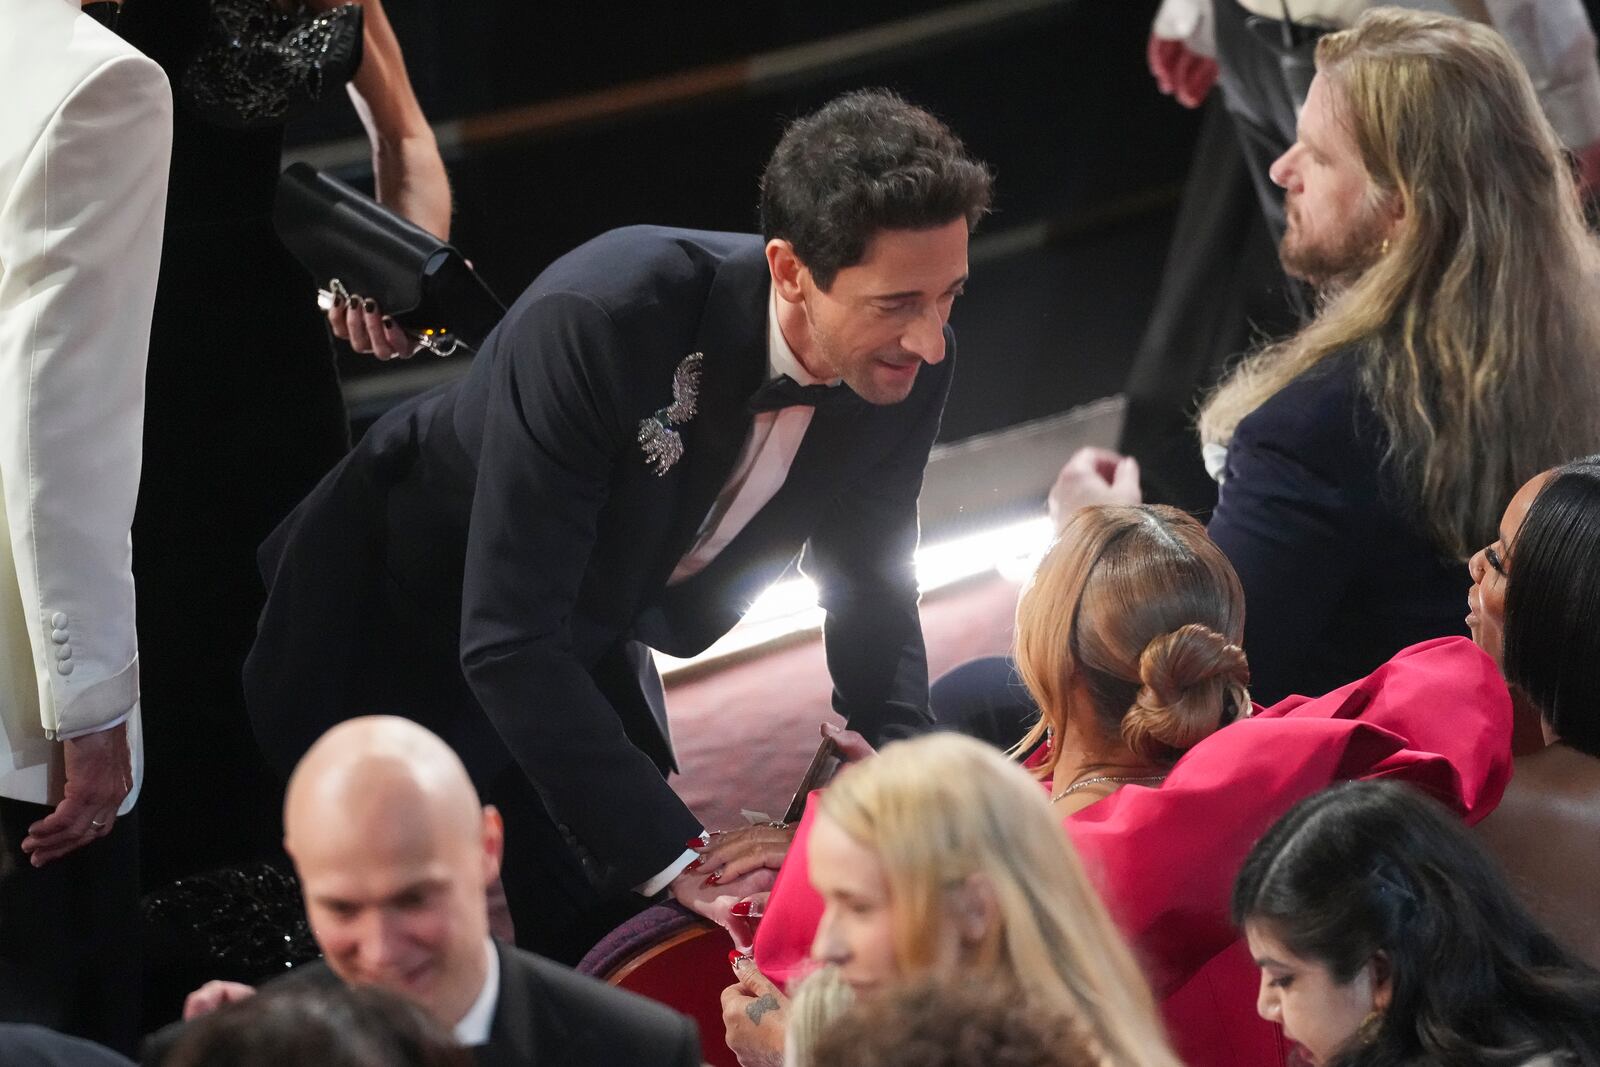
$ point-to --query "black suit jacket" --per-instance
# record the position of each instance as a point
(25, 1045)
(1338, 574)
(546, 1015)
(508, 531)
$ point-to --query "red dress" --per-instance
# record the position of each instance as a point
(1437, 715)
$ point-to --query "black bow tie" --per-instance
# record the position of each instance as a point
(784, 392)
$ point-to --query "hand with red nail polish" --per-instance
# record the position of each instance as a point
(714, 896)
(736, 853)
(743, 918)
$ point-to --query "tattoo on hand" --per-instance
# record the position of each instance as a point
(756, 1009)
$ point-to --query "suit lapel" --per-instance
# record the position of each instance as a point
(733, 339)
(523, 1031)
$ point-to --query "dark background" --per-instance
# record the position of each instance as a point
(1088, 157)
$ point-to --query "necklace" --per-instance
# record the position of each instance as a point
(1075, 786)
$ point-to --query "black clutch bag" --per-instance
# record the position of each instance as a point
(350, 242)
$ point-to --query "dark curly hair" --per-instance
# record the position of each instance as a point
(867, 161)
(1370, 867)
(331, 1025)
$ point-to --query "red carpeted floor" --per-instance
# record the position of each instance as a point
(744, 734)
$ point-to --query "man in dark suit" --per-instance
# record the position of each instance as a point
(394, 855)
(659, 425)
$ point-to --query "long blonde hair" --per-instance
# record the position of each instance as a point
(1478, 331)
(942, 808)
(1138, 609)
(815, 1005)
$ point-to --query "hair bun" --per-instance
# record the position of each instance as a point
(1188, 678)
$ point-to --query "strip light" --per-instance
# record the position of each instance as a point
(789, 607)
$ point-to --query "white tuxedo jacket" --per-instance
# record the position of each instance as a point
(85, 143)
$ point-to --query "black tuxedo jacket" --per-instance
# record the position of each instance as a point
(1338, 574)
(26, 1045)
(546, 1015)
(489, 556)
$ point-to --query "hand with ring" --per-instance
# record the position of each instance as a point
(361, 323)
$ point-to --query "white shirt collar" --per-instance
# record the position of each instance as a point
(781, 359)
(473, 1029)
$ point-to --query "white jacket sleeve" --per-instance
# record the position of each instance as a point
(80, 247)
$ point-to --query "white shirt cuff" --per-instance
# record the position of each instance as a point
(671, 871)
(102, 728)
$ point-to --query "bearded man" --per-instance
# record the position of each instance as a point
(659, 425)
(1362, 460)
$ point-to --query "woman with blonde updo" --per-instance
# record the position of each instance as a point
(1128, 639)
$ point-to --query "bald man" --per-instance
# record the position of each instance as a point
(395, 855)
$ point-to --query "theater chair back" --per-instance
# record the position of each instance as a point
(673, 956)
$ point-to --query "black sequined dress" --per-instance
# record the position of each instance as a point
(243, 415)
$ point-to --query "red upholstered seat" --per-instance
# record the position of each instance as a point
(673, 956)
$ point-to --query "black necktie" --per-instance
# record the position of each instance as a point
(784, 392)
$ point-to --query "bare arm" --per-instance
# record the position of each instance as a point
(409, 174)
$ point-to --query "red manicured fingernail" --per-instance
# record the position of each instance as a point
(694, 842)
(734, 955)
(712, 880)
(741, 909)
(694, 864)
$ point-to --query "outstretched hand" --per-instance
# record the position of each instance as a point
(1181, 73)
(1093, 476)
(213, 995)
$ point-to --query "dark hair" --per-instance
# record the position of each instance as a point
(1552, 627)
(1370, 867)
(331, 1026)
(867, 161)
(932, 1023)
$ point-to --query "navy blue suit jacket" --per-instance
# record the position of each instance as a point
(1338, 574)
(487, 556)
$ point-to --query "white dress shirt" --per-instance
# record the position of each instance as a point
(764, 462)
(763, 465)
(474, 1027)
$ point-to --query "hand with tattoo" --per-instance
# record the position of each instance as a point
(754, 1014)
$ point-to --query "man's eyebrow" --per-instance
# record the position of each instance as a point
(907, 294)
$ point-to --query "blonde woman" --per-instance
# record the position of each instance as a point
(819, 1001)
(940, 857)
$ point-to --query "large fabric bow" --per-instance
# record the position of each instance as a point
(784, 392)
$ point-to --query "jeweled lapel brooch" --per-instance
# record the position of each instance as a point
(661, 444)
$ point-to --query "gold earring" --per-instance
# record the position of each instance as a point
(1367, 1032)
